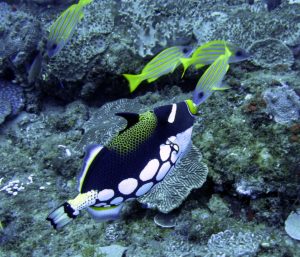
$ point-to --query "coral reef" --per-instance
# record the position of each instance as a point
(283, 104)
(12, 100)
(271, 53)
(130, 30)
(248, 135)
(55, 141)
(20, 34)
(230, 243)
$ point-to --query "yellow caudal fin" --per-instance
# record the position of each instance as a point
(134, 81)
(186, 62)
(84, 2)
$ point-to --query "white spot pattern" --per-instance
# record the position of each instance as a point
(163, 171)
(127, 186)
(106, 194)
(172, 115)
(144, 189)
(164, 152)
(150, 170)
(174, 157)
(117, 200)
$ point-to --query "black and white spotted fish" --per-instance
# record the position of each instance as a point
(131, 163)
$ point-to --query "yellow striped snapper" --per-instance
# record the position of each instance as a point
(212, 78)
(63, 28)
(163, 63)
(210, 51)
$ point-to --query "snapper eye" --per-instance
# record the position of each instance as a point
(54, 46)
(200, 95)
(239, 53)
(185, 50)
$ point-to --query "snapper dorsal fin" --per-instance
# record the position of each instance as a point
(131, 118)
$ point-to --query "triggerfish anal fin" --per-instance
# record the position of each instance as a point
(212, 78)
(105, 213)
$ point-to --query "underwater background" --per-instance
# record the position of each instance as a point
(59, 95)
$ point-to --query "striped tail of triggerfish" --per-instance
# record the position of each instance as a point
(62, 215)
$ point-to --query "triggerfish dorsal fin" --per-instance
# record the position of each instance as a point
(131, 118)
(91, 152)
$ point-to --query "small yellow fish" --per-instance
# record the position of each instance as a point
(212, 78)
(163, 63)
(63, 28)
(210, 51)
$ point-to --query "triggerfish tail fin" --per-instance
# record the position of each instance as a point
(85, 2)
(134, 81)
(186, 62)
(62, 216)
(69, 210)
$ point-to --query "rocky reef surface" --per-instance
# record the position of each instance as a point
(248, 136)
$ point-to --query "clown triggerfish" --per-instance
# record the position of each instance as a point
(131, 163)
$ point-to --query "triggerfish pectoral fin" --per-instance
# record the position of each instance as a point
(134, 81)
(105, 213)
